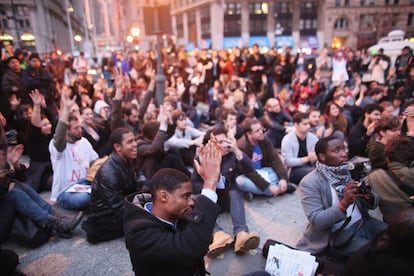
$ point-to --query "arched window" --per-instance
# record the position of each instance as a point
(341, 24)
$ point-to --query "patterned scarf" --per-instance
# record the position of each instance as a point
(337, 176)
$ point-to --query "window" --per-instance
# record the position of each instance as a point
(363, 3)
(27, 23)
(283, 7)
(396, 2)
(410, 19)
(341, 24)
(232, 19)
(258, 8)
(338, 3)
(367, 21)
(308, 6)
(205, 22)
(2, 10)
(347, 3)
(4, 24)
(372, 2)
(395, 17)
(232, 8)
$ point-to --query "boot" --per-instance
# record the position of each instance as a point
(246, 241)
(62, 226)
(221, 241)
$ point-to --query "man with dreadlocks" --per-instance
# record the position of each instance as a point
(335, 204)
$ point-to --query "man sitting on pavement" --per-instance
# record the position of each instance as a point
(71, 156)
(395, 185)
(169, 233)
(298, 148)
(114, 180)
(272, 176)
(234, 163)
(334, 204)
(363, 130)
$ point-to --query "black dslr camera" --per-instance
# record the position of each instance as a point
(363, 188)
(359, 168)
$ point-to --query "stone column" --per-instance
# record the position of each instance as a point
(217, 25)
(295, 26)
(245, 22)
(271, 24)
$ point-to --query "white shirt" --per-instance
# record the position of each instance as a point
(71, 165)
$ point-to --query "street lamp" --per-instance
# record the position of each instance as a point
(70, 9)
(78, 39)
(130, 39)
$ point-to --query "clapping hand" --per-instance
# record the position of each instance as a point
(210, 163)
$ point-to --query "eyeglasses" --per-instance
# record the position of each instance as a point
(262, 129)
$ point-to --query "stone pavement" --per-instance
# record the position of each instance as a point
(279, 218)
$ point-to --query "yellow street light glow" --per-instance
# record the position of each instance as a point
(77, 38)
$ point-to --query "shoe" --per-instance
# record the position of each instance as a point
(248, 196)
(221, 241)
(62, 226)
(76, 220)
(291, 188)
(246, 241)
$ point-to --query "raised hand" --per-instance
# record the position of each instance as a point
(66, 101)
(36, 97)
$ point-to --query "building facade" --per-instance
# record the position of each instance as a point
(42, 25)
(296, 23)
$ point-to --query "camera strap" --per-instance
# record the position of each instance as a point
(403, 187)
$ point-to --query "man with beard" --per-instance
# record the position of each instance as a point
(334, 203)
(363, 130)
(271, 179)
(168, 232)
(274, 119)
(71, 156)
(114, 180)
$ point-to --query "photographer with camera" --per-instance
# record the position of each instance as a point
(336, 205)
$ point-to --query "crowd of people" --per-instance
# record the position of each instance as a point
(263, 124)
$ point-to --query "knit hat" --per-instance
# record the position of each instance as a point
(99, 105)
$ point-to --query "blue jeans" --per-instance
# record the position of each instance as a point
(26, 201)
(237, 213)
(245, 184)
(74, 200)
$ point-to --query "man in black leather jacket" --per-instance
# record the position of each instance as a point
(114, 180)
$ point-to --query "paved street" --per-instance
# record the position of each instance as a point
(278, 218)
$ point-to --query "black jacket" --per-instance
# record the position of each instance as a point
(157, 248)
(114, 180)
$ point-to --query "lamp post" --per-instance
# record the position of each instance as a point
(69, 9)
(159, 77)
